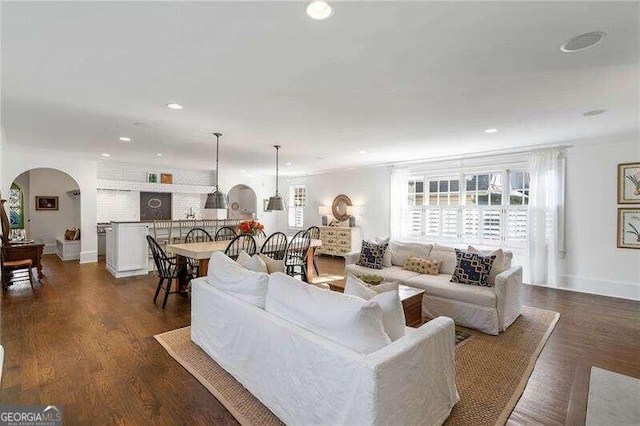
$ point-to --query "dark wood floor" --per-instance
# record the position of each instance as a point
(85, 341)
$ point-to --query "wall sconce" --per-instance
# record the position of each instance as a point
(324, 211)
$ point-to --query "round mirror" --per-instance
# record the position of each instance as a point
(339, 207)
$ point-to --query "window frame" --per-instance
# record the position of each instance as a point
(297, 209)
(486, 214)
(14, 187)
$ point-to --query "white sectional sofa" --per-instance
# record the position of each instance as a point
(305, 378)
(488, 309)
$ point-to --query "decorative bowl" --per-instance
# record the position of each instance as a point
(371, 279)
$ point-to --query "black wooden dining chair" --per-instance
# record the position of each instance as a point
(168, 269)
(226, 233)
(296, 260)
(314, 234)
(275, 246)
(195, 235)
(239, 244)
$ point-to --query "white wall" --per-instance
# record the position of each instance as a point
(368, 188)
(263, 186)
(51, 225)
(82, 170)
(593, 263)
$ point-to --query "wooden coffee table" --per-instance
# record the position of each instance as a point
(410, 297)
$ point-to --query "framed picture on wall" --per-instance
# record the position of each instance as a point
(629, 228)
(166, 178)
(46, 202)
(629, 183)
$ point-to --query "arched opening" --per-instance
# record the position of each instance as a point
(242, 202)
(44, 206)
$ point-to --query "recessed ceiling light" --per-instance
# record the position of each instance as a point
(583, 41)
(288, 164)
(319, 9)
(174, 106)
(158, 155)
(491, 131)
(363, 152)
(125, 139)
(594, 112)
(105, 154)
(242, 171)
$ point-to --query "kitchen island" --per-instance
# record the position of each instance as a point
(127, 251)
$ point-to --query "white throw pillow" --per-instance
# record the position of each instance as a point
(253, 263)
(272, 264)
(386, 260)
(401, 251)
(389, 300)
(498, 266)
(347, 320)
(237, 280)
(445, 255)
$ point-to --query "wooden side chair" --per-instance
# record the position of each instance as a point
(314, 234)
(275, 246)
(11, 266)
(168, 269)
(226, 233)
(241, 243)
(196, 235)
(296, 261)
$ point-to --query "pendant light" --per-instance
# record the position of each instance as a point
(275, 202)
(216, 199)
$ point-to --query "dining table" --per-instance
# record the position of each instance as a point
(201, 251)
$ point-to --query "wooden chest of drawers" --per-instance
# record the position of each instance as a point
(340, 241)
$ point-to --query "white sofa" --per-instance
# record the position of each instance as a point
(307, 379)
(488, 309)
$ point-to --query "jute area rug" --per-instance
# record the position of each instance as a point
(491, 371)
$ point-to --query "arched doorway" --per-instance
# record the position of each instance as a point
(44, 204)
(242, 202)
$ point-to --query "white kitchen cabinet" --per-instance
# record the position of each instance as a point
(127, 249)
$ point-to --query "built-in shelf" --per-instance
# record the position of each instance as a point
(121, 185)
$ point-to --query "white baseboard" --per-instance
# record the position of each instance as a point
(623, 290)
(89, 256)
(49, 248)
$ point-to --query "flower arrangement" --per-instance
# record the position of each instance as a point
(250, 227)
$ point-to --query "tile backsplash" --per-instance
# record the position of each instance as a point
(113, 170)
(124, 205)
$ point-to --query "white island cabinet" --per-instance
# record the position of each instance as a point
(127, 250)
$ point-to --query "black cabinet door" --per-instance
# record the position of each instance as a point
(155, 206)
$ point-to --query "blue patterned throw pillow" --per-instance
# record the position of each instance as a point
(472, 268)
(371, 254)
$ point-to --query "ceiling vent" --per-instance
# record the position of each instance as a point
(583, 41)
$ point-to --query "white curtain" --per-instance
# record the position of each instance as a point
(546, 207)
(399, 196)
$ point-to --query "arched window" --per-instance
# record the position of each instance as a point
(16, 207)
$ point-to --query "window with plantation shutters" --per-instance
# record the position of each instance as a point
(488, 208)
(297, 197)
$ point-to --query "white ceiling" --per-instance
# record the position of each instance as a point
(401, 80)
